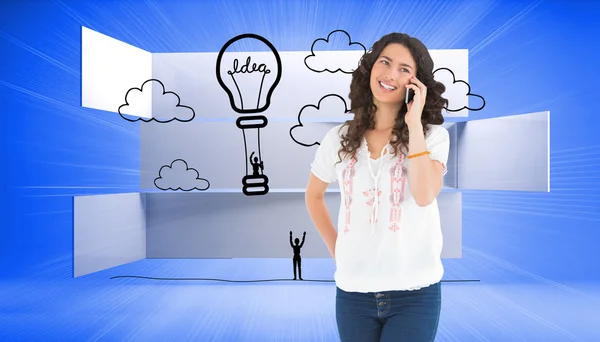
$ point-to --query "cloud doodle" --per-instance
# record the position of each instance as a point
(456, 88)
(319, 62)
(332, 105)
(178, 176)
(135, 97)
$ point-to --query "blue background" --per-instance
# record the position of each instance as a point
(523, 57)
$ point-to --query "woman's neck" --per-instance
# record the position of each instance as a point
(385, 116)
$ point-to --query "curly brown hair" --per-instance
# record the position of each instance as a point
(361, 97)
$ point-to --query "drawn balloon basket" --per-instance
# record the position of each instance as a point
(249, 79)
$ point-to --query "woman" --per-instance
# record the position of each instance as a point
(389, 160)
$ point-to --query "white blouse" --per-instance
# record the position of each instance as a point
(385, 240)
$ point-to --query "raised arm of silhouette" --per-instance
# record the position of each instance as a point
(303, 238)
(255, 165)
(291, 243)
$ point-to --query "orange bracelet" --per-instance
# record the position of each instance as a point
(418, 154)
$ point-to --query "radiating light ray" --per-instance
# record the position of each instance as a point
(502, 29)
(541, 198)
(533, 206)
(514, 268)
(36, 52)
(486, 59)
(570, 213)
(558, 175)
(521, 194)
(531, 315)
(576, 189)
(537, 205)
(529, 196)
(571, 157)
(125, 33)
(510, 305)
(480, 220)
(562, 97)
(494, 317)
(50, 212)
(136, 22)
(469, 20)
(120, 189)
(72, 13)
(175, 32)
(577, 165)
(112, 169)
(582, 212)
(77, 151)
(587, 183)
(76, 113)
(536, 213)
(594, 149)
(107, 328)
(572, 160)
(69, 187)
(492, 79)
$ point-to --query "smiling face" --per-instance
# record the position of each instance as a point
(390, 73)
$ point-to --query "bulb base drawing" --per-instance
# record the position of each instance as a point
(251, 121)
(255, 185)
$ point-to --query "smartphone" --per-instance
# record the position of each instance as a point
(409, 95)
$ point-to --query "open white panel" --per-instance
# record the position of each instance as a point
(201, 225)
(109, 69)
(505, 153)
(119, 77)
(109, 230)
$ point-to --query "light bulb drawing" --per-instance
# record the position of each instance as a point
(249, 79)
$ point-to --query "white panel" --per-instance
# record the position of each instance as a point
(193, 77)
(505, 153)
(216, 153)
(450, 206)
(201, 225)
(109, 230)
(184, 86)
(109, 69)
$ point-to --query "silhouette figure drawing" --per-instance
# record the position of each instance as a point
(297, 258)
(256, 165)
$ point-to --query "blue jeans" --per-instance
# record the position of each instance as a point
(398, 316)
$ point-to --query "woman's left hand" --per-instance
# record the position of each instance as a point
(415, 107)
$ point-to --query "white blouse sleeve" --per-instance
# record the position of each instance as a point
(323, 165)
(438, 145)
